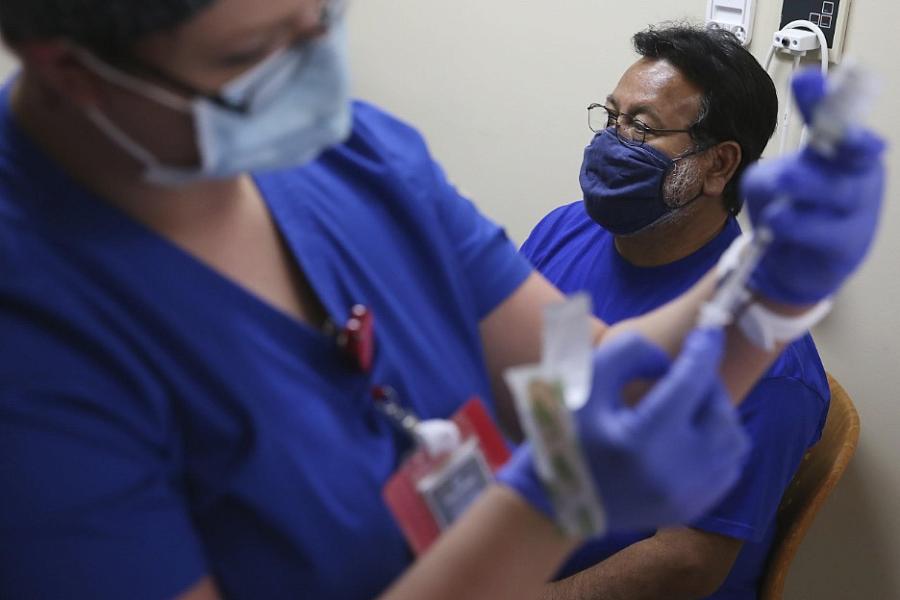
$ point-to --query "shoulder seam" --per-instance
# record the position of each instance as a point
(793, 379)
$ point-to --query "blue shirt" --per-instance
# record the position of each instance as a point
(158, 422)
(784, 414)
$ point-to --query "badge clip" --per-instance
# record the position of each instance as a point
(452, 464)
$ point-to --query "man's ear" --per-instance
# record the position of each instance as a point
(56, 67)
(726, 157)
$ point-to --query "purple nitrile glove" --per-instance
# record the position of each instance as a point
(824, 232)
(666, 460)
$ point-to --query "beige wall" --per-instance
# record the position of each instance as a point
(500, 88)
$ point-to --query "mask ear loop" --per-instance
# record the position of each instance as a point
(122, 139)
(132, 83)
(697, 150)
(154, 171)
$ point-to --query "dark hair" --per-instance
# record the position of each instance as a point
(103, 26)
(739, 99)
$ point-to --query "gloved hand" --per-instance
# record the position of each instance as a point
(666, 460)
(825, 231)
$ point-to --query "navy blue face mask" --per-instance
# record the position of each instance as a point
(623, 184)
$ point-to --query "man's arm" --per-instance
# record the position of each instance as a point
(502, 548)
(676, 563)
(511, 334)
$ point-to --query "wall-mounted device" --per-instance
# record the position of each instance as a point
(735, 16)
(830, 15)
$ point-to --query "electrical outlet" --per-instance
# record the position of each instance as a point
(830, 15)
(736, 16)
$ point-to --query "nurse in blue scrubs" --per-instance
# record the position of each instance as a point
(190, 206)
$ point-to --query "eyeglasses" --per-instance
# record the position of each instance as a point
(332, 12)
(628, 129)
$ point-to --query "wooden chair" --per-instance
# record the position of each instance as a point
(819, 472)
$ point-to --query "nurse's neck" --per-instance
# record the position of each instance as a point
(675, 238)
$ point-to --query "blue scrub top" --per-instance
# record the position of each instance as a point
(784, 414)
(158, 422)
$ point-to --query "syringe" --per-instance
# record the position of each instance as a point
(847, 95)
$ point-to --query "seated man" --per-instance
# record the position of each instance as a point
(660, 199)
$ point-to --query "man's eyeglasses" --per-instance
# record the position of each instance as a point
(628, 129)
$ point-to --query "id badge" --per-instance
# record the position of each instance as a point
(450, 489)
(428, 493)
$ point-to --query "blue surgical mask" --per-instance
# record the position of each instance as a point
(296, 105)
(623, 184)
